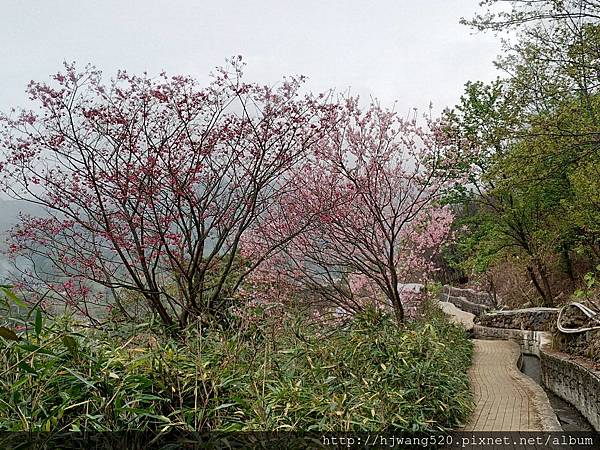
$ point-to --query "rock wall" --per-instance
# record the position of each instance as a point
(585, 344)
(574, 382)
(467, 299)
(473, 296)
(538, 319)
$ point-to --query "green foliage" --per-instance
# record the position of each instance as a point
(585, 207)
(476, 246)
(9, 297)
(368, 375)
(434, 289)
(535, 183)
(591, 285)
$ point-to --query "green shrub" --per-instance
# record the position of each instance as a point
(367, 375)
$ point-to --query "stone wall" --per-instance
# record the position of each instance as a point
(585, 345)
(574, 382)
(538, 319)
(473, 296)
(467, 299)
(531, 342)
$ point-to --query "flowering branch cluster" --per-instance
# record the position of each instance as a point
(185, 195)
(149, 185)
(371, 189)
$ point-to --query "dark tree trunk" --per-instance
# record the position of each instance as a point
(399, 312)
(568, 264)
(548, 298)
(157, 305)
(544, 288)
(396, 302)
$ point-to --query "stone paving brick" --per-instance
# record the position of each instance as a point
(504, 399)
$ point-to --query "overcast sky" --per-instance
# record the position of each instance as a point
(412, 51)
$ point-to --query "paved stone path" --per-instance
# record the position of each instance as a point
(505, 398)
(458, 315)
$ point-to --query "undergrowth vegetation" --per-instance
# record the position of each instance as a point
(370, 374)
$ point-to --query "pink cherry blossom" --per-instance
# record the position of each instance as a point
(193, 197)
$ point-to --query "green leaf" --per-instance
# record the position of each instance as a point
(223, 406)
(80, 378)
(27, 368)
(11, 296)
(71, 344)
(36, 349)
(8, 334)
(38, 321)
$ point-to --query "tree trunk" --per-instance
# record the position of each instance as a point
(399, 312)
(492, 291)
(568, 264)
(548, 298)
(396, 302)
(545, 294)
(154, 299)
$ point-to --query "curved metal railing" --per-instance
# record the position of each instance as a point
(590, 313)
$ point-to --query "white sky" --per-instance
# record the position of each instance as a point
(412, 51)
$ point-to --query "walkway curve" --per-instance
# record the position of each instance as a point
(505, 399)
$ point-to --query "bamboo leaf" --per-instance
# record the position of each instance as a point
(8, 334)
(36, 349)
(11, 296)
(223, 406)
(71, 344)
(80, 378)
(27, 368)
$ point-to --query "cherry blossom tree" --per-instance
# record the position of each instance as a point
(150, 184)
(196, 197)
(373, 187)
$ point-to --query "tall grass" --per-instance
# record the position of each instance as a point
(367, 375)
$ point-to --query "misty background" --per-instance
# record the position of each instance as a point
(413, 53)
